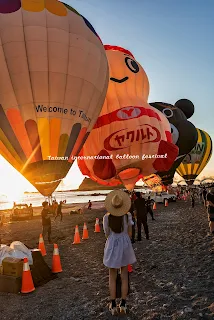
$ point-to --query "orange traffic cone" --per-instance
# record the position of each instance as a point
(166, 203)
(76, 236)
(85, 232)
(154, 206)
(97, 226)
(27, 281)
(42, 245)
(56, 263)
(130, 269)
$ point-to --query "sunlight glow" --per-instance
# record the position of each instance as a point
(13, 184)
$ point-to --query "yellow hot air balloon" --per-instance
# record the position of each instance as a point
(53, 82)
(197, 159)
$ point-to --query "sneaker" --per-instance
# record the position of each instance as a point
(113, 310)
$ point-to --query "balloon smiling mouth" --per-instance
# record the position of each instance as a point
(119, 80)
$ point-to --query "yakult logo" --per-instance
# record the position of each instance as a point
(125, 138)
(128, 113)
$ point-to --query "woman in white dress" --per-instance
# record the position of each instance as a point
(118, 252)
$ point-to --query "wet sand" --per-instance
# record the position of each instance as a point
(172, 279)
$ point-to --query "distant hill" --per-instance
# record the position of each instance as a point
(90, 185)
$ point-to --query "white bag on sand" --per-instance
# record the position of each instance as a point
(5, 252)
(20, 251)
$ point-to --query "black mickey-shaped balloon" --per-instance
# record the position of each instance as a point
(184, 133)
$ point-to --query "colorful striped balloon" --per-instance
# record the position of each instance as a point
(53, 82)
(197, 159)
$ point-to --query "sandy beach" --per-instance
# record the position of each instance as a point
(172, 279)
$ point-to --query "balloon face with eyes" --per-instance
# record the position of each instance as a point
(127, 77)
(130, 64)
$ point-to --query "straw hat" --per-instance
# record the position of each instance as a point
(118, 203)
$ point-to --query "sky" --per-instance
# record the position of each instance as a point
(172, 40)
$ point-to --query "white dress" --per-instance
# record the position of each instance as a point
(118, 250)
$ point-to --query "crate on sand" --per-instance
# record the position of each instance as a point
(12, 267)
(11, 279)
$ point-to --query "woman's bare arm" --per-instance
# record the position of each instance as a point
(106, 226)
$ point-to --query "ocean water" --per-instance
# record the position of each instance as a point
(71, 197)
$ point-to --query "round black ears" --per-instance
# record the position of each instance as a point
(186, 106)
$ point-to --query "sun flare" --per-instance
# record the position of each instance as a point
(13, 183)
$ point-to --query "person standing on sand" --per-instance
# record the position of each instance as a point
(89, 205)
(204, 196)
(31, 209)
(46, 221)
(55, 206)
(200, 195)
(133, 196)
(149, 207)
(210, 208)
(59, 211)
(118, 252)
(193, 200)
(141, 214)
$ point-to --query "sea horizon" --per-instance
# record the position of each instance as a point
(71, 197)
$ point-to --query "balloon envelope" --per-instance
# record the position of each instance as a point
(53, 82)
(184, 133)
(197, 159)
(129, 133)
(152, 181)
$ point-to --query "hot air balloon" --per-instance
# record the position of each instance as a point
(53, 82)
(184, 133)
(152, 181)
(130, 138)
(193, 164)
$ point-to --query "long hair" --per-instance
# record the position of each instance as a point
(116, 223)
